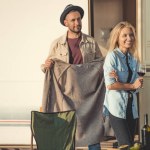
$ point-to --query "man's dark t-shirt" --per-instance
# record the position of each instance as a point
(74, 51)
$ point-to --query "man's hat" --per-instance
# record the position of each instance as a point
(69, 8)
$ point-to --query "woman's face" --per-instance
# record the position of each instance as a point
(126, 39)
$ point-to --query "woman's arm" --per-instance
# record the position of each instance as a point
(112, 81)
(126, 86)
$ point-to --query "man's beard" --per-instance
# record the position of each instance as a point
(76, 31)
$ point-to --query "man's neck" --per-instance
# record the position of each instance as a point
(72, 35)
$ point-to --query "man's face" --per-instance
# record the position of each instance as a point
(73, 21)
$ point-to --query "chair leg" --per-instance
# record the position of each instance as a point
(31, 141)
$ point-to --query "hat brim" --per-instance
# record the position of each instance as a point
(65, 12)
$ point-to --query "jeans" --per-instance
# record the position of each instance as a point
(124, 128)
(94, 147)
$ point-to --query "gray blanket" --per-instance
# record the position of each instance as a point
(80, 88)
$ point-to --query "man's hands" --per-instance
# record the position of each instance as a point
(113, 74)
(48, 63)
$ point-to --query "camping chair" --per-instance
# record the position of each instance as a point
(53, 131)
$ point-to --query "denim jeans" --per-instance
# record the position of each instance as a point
(94, 147)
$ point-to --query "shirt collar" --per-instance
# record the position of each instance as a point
(121, 54)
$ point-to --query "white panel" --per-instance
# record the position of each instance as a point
(18, 135)
(144, 96)
(146, 31)
(27, 28)
(19, 98)
(144, 101)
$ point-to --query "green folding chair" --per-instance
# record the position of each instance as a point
(53, 131)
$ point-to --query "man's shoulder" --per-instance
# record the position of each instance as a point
(60, 39)
(88, 37)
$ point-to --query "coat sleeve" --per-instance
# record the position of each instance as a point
(98, 51)
(51, 55)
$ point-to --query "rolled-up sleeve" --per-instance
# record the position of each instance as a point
(109, 65)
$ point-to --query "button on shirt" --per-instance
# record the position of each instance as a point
(116, 100)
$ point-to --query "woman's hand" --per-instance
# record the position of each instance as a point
(113, 74)
(138, 83)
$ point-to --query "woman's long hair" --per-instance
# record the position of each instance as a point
(114, 37)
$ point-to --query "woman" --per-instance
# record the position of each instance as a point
(122, 82)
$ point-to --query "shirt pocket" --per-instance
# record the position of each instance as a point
(122, 74)
(62, 55)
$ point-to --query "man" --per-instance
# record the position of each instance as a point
(74, 47)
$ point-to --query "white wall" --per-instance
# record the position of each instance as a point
(27, 28)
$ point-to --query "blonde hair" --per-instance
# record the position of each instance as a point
(114, 36)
